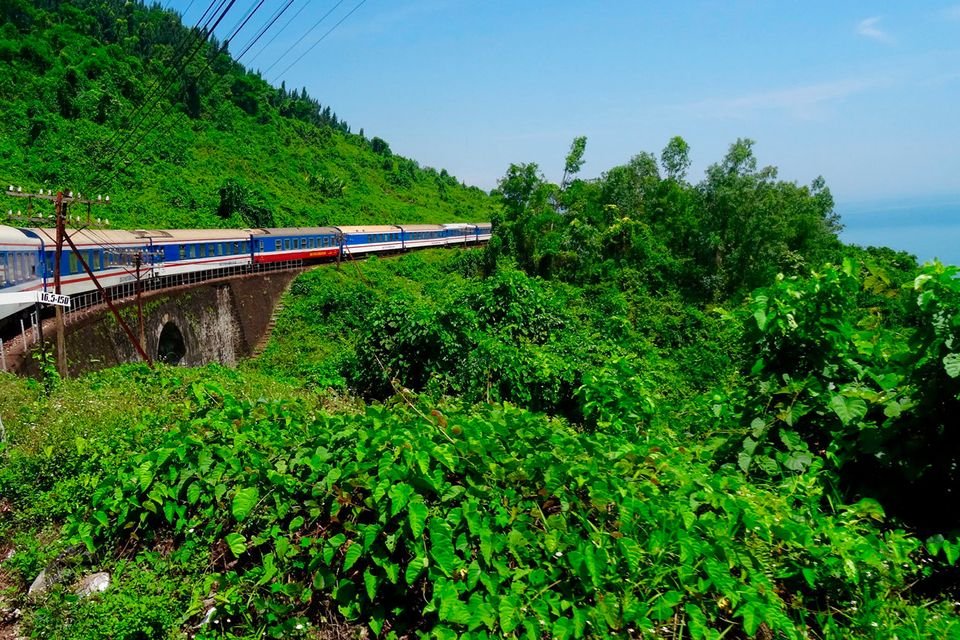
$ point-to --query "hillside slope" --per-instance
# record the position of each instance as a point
(222, 147)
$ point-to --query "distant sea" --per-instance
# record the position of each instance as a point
(927, 227)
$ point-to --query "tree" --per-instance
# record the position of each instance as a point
(574, 160)
(675, 159)
(380, 146)
(755, 226)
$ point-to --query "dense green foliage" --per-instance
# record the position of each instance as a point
(649, 408)
(733, 231)
(222, 149)
(671, 501)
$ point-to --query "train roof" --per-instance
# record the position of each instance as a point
(421, 227)
(295, 231)
(167, 236)
(88, 237)
(10, 235)
(376, 228)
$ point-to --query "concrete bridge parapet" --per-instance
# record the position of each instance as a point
(213, 321)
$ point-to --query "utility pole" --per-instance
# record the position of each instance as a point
(138, 262)
(61, 338)
(61, 203)
(106, 298)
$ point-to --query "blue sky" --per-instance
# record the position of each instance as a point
(866, 94)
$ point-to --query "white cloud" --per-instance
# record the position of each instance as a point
(805, 102)
(869, 28)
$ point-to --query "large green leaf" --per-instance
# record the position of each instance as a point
(244, 500)
(145, 475)
(848, 409)
(509, 613)
(415, 568)
(354, 551)
(400, 494)
(417, 514)
(441, 546)
(951, 363)
(237, 543)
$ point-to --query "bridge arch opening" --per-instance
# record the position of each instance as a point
(171, 347)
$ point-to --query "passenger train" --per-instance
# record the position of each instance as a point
(27, 255)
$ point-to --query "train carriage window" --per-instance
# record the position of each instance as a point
(236, 248)
(262, 244)
(49, 265)
(73, 266)
(3, 269)
(183, 252)
(286, 243)
(96, 264)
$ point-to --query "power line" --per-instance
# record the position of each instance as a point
(245, 20)
(322, 38)
(154, 96)
(187, 10)
(124, 160)
(276, 16)
(178, 52)
(301, 39)
(282, 29)
(99, 183)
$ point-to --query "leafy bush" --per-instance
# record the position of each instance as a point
(876, 401)
(499, 522)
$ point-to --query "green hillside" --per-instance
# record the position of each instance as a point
(221, 148)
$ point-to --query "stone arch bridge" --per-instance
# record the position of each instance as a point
(222, 318)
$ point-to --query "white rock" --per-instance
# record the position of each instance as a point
(40, 584)
(208, 617)
(96, 583)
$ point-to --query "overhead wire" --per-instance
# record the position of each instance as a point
(187, 10)
(243, 21)
(158, 91)
(270, 22)
(97, 183)
(178, 52)
(98, 180)
(282, 29)
(125, 160)
(303, 37)
(322, 38)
